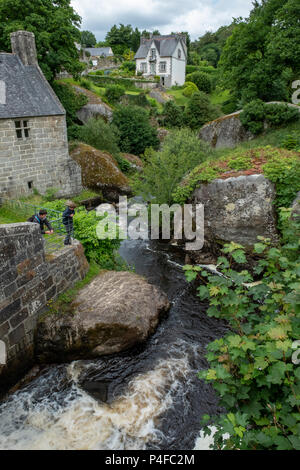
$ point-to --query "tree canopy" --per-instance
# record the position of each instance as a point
(262, 56)
(121, 38)
(56, 28)
(88, 39)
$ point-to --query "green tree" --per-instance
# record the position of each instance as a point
(173, 114)
(122, 37)
(262, 54)
(56, 28)
(100, 135)
(70, 100)
(182, 150)
(88, 39)
(202, 81)
(135, 130)
(199, 110)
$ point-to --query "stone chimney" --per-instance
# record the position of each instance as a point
(23, 44)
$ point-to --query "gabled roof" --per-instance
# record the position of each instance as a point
(28, 94)
(99, 51)
(165, 46)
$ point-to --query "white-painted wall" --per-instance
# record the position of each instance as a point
(178, 66)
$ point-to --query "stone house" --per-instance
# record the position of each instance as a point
(97, 57)
(33, 134)
(163, 56)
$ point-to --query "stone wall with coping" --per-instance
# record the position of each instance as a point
(39, 161)
(29, 279)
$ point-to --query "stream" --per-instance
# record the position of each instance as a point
(154, 399)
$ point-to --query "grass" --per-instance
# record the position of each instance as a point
(218, 97)
(180, 100)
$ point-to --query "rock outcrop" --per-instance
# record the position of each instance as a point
(94, 108)
(116, 311)
(100, 171)
(226, 131)
(236, 209)
(134, 161)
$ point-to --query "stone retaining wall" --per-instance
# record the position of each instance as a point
(28, 280)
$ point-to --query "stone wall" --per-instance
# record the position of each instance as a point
(29, 279)
(40, 160)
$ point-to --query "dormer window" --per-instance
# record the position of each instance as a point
(22, 129)
(179, 53)
(153, 53)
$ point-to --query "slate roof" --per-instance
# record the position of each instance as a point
(165, 45)
(99, 51)
(28, 94)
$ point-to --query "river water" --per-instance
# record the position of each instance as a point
(154, 399)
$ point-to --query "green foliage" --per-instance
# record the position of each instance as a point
(128, 65)
(123, 164)
(242, 162)
(261, 57)
(56, 28)
(256, 113)
(209, 47)
(252, 368)
(201, 80)
(189, 89)
(135, 131)
(173, 115)
(105, 80)
(199, 111)
(100, 251)
(88, 39)
(50, 194)
(122, 37)
(100, 135)
(70, 100)
(114, 92)
(85, 83)
(163, 170)
(291, 141)
(286, 176)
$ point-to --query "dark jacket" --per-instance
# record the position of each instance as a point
(36, 219)
(67, 220)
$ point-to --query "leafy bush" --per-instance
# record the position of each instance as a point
(253, 367)
(128, 65)
(189, 89)
(100, 251)
(199, 110)
(163, 170)
(256, 113)
(100, 135)
(135, 131)
(191, 68)
(70, 100)
(243, 162)
(291, 141)
(173, 115)
(201, 80)
(114, 92)
(85, 84)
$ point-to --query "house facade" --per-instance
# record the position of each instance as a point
(33, 134)
(163, 56)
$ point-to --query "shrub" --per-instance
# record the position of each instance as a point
(135, 131)
(114, 92)
(191, 68)
(189, 89)
(163, 170)
(70, 100)
(202, 80)
(199, 110)
(256, 113)
(252, 368)
(85, 84)
(291, 142)
(100, 135)
(128, 65)
(173, 115)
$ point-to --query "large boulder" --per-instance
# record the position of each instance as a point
(116, 311)
(100, 171)
(94, 108)
(238, 209)
(226, 131)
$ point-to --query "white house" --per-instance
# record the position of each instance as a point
(164, 56)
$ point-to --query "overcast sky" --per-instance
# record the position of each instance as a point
(194, 16)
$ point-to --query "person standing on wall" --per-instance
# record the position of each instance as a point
(67, 219)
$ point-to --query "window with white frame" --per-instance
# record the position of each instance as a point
(163, 67)
(22, 129)
(143, 67)
(153, 53)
